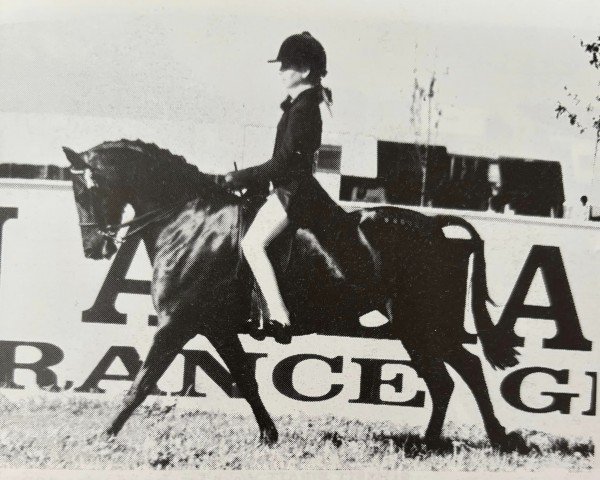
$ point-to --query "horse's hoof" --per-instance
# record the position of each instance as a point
(111, 432)
(438, 445)
(513, 442)
(269, 436)
(414, 447)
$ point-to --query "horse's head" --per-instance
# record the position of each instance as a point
(114, 174)
(99, 205)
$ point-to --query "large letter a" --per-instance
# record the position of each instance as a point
(562, 308)
(103, 310)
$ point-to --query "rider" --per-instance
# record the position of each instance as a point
(296, 193)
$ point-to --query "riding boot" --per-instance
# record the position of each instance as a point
(258, 314)
(261, 324)
(280, 333)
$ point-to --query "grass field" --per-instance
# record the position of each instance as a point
(66, 433)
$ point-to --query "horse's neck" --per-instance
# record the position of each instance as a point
(163, 193)
(146, 202)
(166, 189)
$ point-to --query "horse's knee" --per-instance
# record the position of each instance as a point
(168, 334)
(468, 361)
(163, 331)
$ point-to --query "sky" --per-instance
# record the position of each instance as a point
(193, 76)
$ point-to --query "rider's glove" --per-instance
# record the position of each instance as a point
(232, 181)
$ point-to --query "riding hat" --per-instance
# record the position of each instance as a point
(302, 49)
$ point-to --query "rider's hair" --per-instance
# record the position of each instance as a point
(314, 78)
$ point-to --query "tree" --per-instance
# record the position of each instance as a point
(584, 115)
(424, 97)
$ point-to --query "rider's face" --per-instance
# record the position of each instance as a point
(291, 76)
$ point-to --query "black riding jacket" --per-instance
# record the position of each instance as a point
(298, 138)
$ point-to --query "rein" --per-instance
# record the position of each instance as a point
(139, 223)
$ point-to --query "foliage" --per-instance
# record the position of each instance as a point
(57, 432)
(580, 113)
(425, 117)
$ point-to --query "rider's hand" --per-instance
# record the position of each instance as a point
(231, 182)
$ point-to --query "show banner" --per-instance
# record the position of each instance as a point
(73, 326)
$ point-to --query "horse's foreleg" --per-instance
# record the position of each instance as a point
(231, 351)
(168, 342)
(469, 368)
(440, 386)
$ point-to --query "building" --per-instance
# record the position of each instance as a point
(409, 174)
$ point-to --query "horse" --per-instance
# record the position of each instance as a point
(392, 260)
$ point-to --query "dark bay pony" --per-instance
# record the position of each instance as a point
(331, 272)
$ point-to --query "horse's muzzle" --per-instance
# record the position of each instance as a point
(103, 250)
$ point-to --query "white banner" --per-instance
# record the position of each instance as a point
(54, 339)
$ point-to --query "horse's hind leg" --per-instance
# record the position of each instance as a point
(469, 368)
(231, 351)
(168, 342)
(440, 386)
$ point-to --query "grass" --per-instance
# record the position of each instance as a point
(67, 433)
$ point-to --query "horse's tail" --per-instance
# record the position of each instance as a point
(497, 341)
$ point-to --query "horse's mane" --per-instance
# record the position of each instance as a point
(173, 165)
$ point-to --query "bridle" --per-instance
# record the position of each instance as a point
(139, 223)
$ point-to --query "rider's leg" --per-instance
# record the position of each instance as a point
(270, 220)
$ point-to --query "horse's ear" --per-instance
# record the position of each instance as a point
(75, 160)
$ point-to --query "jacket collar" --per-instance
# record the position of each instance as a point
(288, 102)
